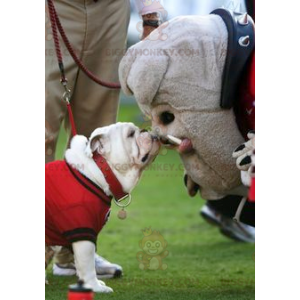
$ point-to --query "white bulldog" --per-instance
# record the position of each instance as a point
(128, 151)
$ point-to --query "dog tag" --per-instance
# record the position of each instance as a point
(122, 214)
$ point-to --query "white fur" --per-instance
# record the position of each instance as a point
(84, 253)
(77, 157)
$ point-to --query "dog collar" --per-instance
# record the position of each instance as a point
(113, 182)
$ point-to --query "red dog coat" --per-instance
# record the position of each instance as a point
(76, 209)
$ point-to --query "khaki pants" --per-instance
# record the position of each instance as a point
(95, 29)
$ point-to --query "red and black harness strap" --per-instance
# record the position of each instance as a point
(85, 233)
(81, 234)
(90, 185)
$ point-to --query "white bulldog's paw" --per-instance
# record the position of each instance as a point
(102, 282)
(98, 287)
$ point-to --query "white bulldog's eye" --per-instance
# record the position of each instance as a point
(131, 134)
(167, 118)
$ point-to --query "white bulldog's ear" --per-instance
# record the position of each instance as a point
(98, 143)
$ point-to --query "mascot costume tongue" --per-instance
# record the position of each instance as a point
(189, 83)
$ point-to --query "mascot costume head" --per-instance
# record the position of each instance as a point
(179, 82)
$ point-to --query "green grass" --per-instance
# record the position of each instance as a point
(202, 264)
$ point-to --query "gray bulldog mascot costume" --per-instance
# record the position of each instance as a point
(188, 84)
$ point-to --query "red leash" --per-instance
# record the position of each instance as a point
(114, 184)
(55, 22)
(71, 118)
(56, 26)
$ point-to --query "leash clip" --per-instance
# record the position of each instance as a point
(67, 93)
(67, 96)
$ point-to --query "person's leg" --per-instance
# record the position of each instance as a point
(229, 205)
(65, 259)
(221, 213)
(107, 23)
(49, 253)
(72, 15)
(73, 18)
(93, 106)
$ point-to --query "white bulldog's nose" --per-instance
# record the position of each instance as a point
(145, 140)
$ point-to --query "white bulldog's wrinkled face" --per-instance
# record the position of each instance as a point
(124, 146)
